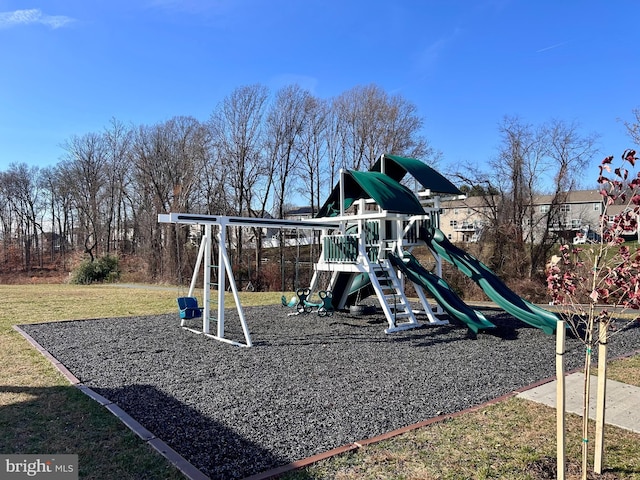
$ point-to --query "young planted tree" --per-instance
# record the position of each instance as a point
(597, 283)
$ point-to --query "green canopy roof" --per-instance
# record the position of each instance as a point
(397, 167)
(383, 189)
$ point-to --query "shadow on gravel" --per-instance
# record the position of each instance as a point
(502, 332)
(214, 449)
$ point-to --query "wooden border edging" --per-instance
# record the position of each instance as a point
(305, 462)
(192, 473)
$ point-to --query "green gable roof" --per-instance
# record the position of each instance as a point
(397, 167)
(384, 190)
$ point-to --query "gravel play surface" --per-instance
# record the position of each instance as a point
(308, 385)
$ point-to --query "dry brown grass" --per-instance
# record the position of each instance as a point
(40, 412)
(626, 371)
(513, 439)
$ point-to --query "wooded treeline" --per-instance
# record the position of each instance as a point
(255, 154)
(258, 152)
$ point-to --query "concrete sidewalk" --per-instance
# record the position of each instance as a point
(622, 401)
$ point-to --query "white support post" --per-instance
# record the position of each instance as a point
(222, 275)
(433, 320)
(435, 219)
(341, 192)
(362, 244)
(206, 313)
(236, 298)
(313, 285)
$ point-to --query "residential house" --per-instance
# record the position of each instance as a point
(577, 216)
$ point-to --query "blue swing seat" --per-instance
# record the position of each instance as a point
(189, 308)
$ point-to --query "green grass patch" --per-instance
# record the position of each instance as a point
(41, 413)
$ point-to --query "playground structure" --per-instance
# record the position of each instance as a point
(369, 225)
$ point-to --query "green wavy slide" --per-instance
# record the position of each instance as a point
(492, 286)
(441, 291)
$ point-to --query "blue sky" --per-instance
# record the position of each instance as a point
(69, 66)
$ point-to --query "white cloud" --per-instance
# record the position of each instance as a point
(32, 16)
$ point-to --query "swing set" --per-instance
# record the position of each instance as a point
(218, 225)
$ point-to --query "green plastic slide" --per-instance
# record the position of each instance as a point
(442, 292)
(492, 286)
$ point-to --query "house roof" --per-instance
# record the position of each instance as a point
(299, 211)
(573, 197)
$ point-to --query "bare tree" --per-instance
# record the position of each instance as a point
(22, 190)
(217, 199)
(118, 140)
(286, 121)
(312, 149)
(633, 127)
(85, 166)
(237, 126)
(169, 159)
(60, 205)
(6, 218)
(567, 153)
(369, 123)
(238, 129)
(531, 161)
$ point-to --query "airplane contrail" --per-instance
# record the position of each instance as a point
(551, 47)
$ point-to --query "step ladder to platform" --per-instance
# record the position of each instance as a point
(390, 293)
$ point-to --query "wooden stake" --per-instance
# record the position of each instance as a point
(560, 400)
(601, 397)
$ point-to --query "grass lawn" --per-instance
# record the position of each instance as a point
(41, 413)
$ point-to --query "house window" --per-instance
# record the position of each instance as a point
(544, 208)
(596, 207)
(453, 223)
(565, 208)
(456, 211)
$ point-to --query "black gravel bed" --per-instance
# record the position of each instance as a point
(309, 384)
